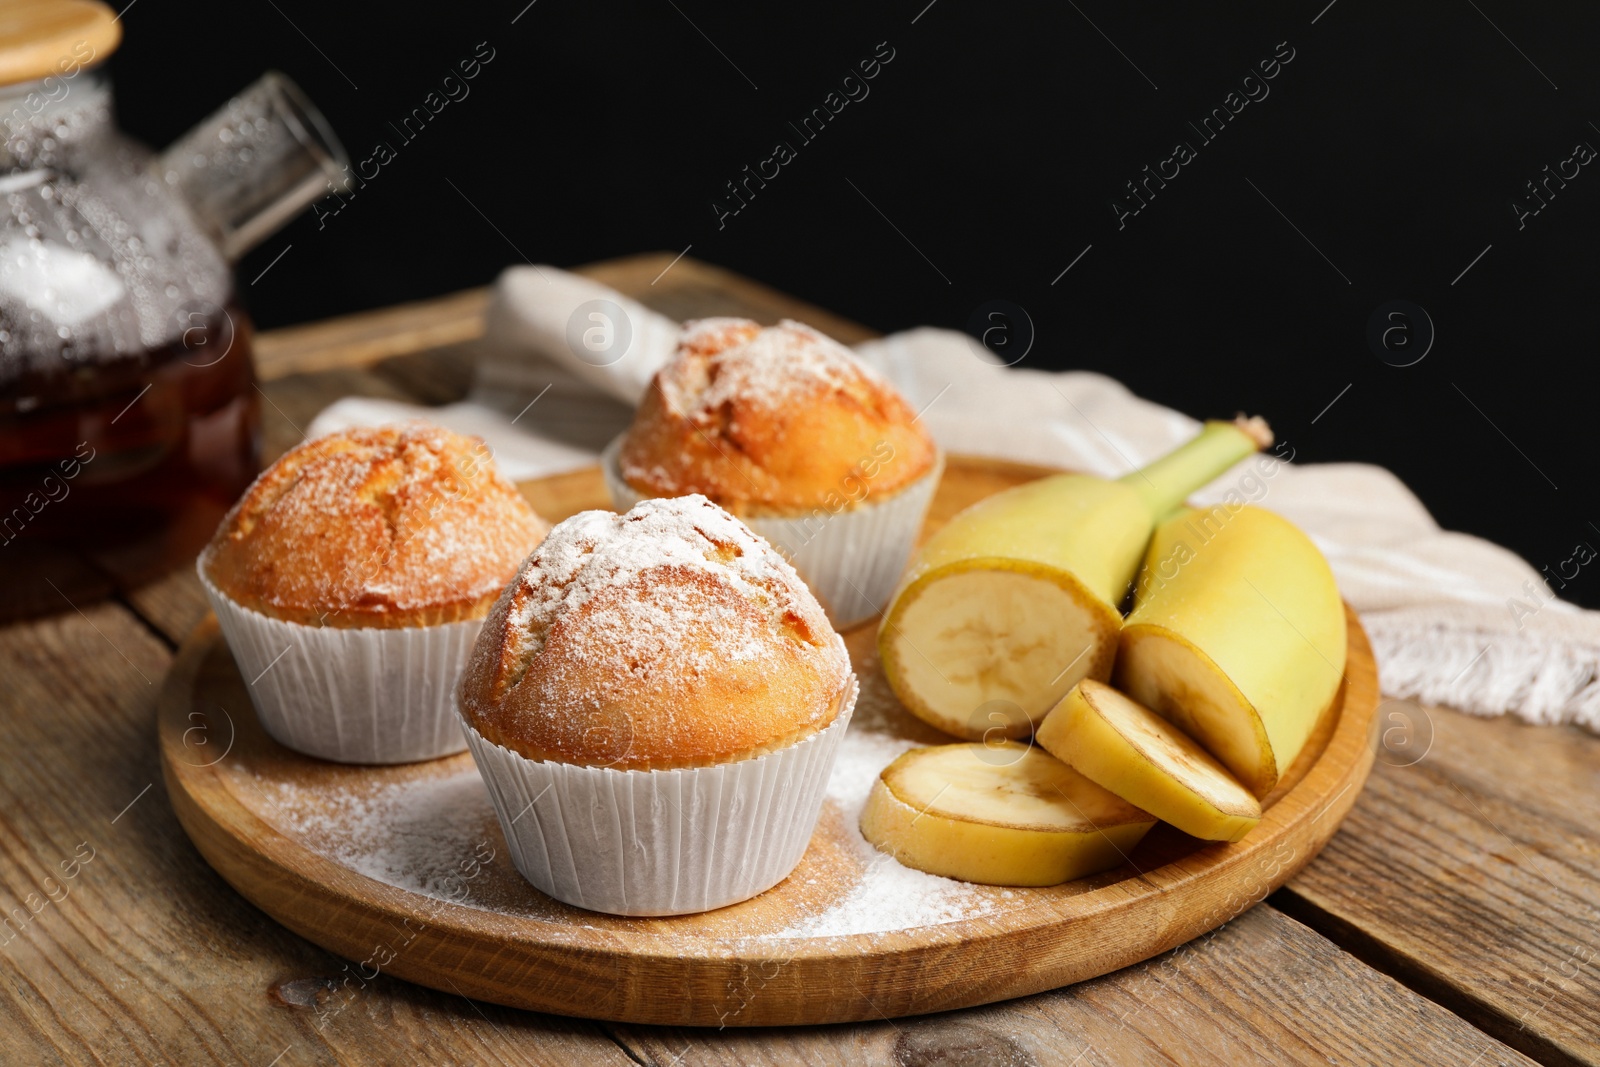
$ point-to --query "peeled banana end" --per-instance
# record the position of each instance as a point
(1255, 427)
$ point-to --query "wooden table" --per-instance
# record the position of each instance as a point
(1455, 919)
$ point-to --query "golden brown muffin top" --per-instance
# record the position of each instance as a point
(772, 420)
(386, 527)
(670, 636)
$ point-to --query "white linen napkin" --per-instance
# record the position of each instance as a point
(1454, 619)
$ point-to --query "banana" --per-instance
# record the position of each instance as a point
(1237, 636)
(1000, 814)
(1018, 596)
(1133, 752)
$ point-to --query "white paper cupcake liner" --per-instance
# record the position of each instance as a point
(660, 842)
(365, 695)
(851, 559)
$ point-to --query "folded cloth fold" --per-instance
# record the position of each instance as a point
(1454, 619)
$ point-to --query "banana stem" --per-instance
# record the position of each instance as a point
(1166, 484)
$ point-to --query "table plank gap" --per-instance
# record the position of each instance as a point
(1263, 989)
(174, 603)
(1471, 866)
(1423, 981)
(612, 1031)
(156, 630)
(125, 947)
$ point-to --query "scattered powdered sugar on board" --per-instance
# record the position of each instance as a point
(436, 835)
(862, 755)
(890, 896)
(425, 835)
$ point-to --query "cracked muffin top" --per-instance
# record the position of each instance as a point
(770, 421)
(390, 526)
(670, 636)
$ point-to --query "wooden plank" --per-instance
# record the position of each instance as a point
(434, 376)
(690, 289)
(122, 946)
(1261, 990)
(173, 604)
(368, 336)
(1474, 874)
(289, 404)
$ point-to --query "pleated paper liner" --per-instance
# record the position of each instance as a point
(672, 842)
(364, 695)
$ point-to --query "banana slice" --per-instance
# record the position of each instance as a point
(1145, 760)
(985, 652)
(1001, 814)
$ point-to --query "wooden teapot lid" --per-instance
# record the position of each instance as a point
(40, 38)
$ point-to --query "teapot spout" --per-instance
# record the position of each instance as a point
(257, 162)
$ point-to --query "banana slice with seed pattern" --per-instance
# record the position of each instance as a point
(1000, 814)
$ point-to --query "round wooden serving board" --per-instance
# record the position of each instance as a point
(403, 870)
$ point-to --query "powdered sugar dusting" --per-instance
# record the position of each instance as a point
(375, 519)
(596, 551)
(733, 361)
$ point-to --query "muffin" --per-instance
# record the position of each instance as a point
(351, 580)
(788, 430)
(655, 703)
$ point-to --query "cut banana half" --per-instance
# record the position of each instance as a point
(1136, 754)
(1000, 814)
(1237, 635)
(1017, 598)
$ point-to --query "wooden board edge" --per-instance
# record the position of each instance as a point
(588, 976)
(1343, 765)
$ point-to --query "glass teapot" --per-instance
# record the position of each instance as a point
(128, 407)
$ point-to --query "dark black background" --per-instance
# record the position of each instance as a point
(1395, 141)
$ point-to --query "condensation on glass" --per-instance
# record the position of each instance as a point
(129, 414)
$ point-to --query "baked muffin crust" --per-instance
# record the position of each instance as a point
(670, 636)
(390, 526)
(772, 421)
